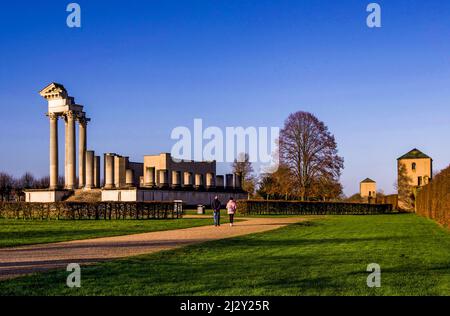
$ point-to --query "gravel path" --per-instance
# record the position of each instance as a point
(37, 258)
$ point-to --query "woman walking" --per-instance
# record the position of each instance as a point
(231, 209)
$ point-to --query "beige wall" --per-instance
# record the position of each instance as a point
(164, 162)
(368, 189)
(423, 169)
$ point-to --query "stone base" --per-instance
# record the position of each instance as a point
(190, 198)
(46, 196)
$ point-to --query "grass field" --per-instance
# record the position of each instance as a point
(322, 257)
(22, 232)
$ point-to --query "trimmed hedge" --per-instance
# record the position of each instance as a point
(259, 207)
(87, 210)
(433, 200)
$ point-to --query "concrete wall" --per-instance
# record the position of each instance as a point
(188, 197)
(46, 196)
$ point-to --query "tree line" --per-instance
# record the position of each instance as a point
(11, 188)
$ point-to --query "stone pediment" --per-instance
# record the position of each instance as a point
(58, 99)
(54, 91)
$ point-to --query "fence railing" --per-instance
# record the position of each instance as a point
(94, 210)
(279, 207)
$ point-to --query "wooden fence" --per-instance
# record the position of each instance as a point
(259, 207)
(433, 200)
(94, 210)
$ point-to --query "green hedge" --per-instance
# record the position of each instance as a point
(86, 210)
(259, 207)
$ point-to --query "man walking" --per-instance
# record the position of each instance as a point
(215, 205)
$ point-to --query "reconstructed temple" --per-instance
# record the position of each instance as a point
(159, 177)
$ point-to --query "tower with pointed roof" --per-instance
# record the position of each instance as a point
(368, 189)
(416, 167)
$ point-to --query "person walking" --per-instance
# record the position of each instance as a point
(231, 210)
(215, 205)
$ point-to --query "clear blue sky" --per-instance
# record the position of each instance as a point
(143, 67)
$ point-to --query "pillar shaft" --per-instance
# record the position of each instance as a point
(149, 176)
(187, 179)
(66, 132)
(97, 172)
(71, 158)
(176, 178)
(53, 151)
(82, 152)
(89, 169)
(198, 180)
(129, 177)
(109, 171)
(210, 180)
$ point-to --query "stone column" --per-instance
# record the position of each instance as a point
(109, 171)
(210, 183)
(129, 177)
(53, 150)
(229, 183)
(149, 177)
(198, 180)
(97, 172)
(162, 177)
(187, 179)
(176, 179)
(89, 169)
(71, 158)
(82, 130)
(66, 132)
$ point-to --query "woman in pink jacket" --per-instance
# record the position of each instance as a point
(231, 210)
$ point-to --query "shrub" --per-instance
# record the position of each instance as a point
(88, 210)
(258, 207)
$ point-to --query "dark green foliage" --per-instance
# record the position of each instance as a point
(271, 207)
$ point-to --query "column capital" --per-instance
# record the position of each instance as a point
(82, 119)
(70, 114)
(52, 116)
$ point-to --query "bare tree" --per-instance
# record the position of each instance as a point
(243, 166)
(27, 181)
(6, 186)
(309, 150)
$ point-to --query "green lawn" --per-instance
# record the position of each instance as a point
(324, 257)
(23, 232)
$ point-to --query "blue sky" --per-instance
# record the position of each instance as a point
(142, 68)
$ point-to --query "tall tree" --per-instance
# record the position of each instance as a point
(243, 166)
(309, 150)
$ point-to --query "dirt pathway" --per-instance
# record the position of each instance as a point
(37, 258)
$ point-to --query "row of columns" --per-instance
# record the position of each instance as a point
(153, 177)
(84, 174)
(117, 174)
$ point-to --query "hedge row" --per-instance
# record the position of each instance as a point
(258, 207)
(86, 210)
(433, 200)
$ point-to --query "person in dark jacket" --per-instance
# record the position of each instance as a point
(215, 205)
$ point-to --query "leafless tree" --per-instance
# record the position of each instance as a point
(6, 186)
(243, 166)
(309, 150)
